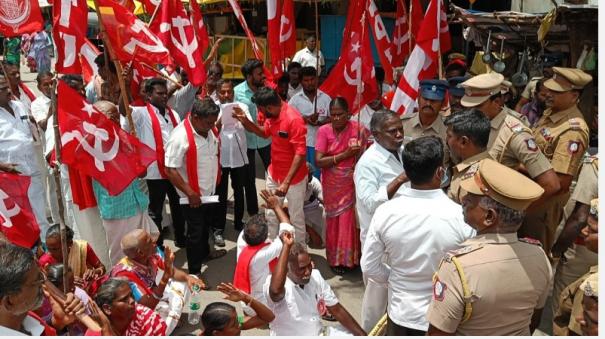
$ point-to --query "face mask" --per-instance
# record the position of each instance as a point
(445, 178)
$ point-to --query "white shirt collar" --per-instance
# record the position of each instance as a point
(30, 324)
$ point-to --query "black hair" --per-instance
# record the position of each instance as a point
(309, 36)
(55, 231)
(42, 75)
(379, 74)
(107, 291)
(284, 79)
(221, 82)
(266, 96)
(217, 65)
(495, 96)
(379, 118)
(100, 62)
(456, 67)
(70, 78)
(539, 85)
(472, 124)
(256, 230)
(151, 83)
(340, 102)
(54, 273)
(293, 65)
(308, 71)
(421, 158)
(250, 65)
(216, 316)
(15, 263)
(205, 108)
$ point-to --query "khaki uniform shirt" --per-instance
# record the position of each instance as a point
(508, 279)
(412, 129)
(563, 138)
(570, 306)
(465, 169)
(512, 144)
(587, 185)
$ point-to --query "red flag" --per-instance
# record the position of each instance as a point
(88, 54)
(287, 30)
(17, 220)
(401, 35)
(422, 64)
(130, 38)
(176, 30)
(255, 47)
(355, 64)
(18, 17)
(139, 73)
(151, 5)
(96, 146)
(382, 41)
(70, 19)
(416, 16)
(273, 36)
(201, 32)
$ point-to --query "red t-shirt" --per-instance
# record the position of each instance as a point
(91, 258)
(288, 138)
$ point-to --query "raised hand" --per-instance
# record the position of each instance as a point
(271, 200)
(232, 293)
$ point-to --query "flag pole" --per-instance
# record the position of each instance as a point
(410, 28)
(359, 85)
(116, 62)
(57, 177)
(317, 57)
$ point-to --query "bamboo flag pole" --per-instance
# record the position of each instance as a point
(317, 55)
(359, 84)
(57, 177)
(116, 62)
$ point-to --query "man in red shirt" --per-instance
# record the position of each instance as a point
(288, 169)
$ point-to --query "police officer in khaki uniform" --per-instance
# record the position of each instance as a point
(562, 135)
(467, 137)
(511, 142)
(495, 284)
(569, 305)
(575, 257)
(427, 121)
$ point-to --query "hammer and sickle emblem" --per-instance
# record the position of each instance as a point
(96, 151)
(5, 212)
(285, 24)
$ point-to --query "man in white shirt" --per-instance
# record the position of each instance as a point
(20, 91)
(157, 113)
(308, 55)
(424, 216)
(314, 114)
(234, 161)
(298, 295)
(256, 254)
(378, 177)
(18, 151)
(198, 199)
(294, 76)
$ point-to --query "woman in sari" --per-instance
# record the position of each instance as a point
(337, 149)
(81, 258)
(40, 51)
(124, 315)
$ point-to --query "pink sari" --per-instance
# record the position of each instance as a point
(342, 236)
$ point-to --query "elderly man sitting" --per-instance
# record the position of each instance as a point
(154, 281)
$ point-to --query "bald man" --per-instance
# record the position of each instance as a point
(143, 263)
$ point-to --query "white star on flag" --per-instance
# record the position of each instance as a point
(355, 47)
(88, 108)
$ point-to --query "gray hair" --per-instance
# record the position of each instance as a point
(256, 230)
(107, 292)
(296, 250)
(508, 217)
(379, 118)
(15, 263)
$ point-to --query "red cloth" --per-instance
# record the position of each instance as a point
(381, 41)
(284, 147)
(191, 157)
(157, 136)
(27, 91)
(82, 192)
(20, 18)
(48, 330)
(91, 258)
(70, 22)
(241, 278)
(20, 225)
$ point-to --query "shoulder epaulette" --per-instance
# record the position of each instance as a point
(575, 123)
(408, 116)
(462, 251)
(531, 241)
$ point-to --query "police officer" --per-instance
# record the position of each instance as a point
(511, 142)
(467, 137)
(455, 92)
(427, 121)
(562, 135)
(569, 306)
(496, 284)
(577, 258)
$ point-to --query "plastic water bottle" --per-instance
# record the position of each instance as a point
(194, 305)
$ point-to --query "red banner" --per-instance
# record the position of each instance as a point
(17, 219)
(382, 41)
(18, 17)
